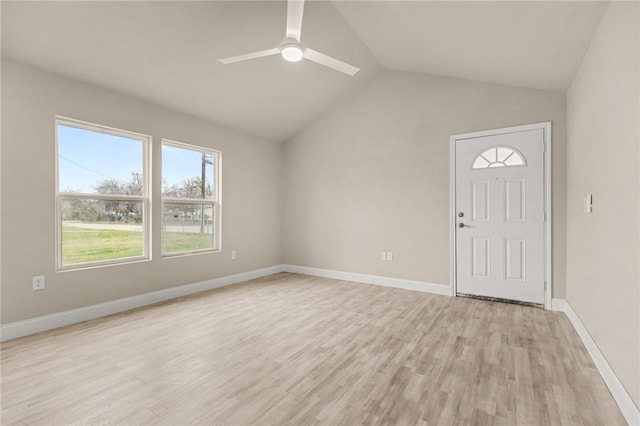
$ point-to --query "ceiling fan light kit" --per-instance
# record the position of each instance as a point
(290, 50)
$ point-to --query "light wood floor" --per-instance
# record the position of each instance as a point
(299, 350)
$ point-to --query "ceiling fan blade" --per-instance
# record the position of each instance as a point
(247, 56)
(328, 61)
(295, 9)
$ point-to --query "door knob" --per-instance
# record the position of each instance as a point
(461, 225)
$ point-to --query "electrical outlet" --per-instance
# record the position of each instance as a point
(389, 256)
(38, 283)
(234, 255)
(383, 255)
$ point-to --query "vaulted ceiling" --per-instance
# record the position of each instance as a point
(166, 51)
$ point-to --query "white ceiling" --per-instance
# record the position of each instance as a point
(535, 44)
(166, 52)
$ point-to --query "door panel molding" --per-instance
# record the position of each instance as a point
(514, 262)
(510, 215)
(515, 201)
(481, 257)
(481, 197)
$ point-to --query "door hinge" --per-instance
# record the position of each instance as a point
(545, 216)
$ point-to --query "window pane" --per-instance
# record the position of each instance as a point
(92, 162)
(514, 160)
(480, 163)
(504, 153)
(187, 173)
(490, 155)
(187, 227)
(96, 230)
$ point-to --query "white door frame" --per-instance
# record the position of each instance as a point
(546, 128)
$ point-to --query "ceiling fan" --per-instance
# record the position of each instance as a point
(290, 48)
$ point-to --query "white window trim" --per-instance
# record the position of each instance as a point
(145, 198)
(215, 202)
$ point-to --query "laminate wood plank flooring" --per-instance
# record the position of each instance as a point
(298, 350)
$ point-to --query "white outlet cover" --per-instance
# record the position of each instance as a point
(38, 283)
(383, 255)
(389, 256)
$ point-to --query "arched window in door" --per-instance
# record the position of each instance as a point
(498, 156)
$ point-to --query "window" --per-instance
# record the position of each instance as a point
(102, 195)
(190, 199)
(499, 156)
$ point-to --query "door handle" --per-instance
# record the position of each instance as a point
(461, 225)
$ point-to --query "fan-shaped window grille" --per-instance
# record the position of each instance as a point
(499, 156)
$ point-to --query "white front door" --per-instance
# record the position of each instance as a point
(500, 216)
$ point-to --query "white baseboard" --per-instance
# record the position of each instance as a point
(558, 305)
(47, 322)
(629, 409)
(59, 319)
(424, 287)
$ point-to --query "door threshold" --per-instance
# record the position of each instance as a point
(500, 300)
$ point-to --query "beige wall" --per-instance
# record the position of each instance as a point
(373, 174)
(251, 187)
(603, 248)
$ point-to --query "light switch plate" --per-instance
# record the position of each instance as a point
(588, 203)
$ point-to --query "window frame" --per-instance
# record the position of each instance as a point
(144, 199)
(215, 202)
